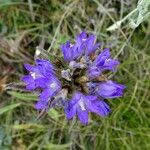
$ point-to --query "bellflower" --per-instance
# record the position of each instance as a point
(80, 87)
(102, 62)
(70, 51)
(84, 45)
(38, 74)
(81, 105)
(42, 76)
(87, 44)
(35, 77)
(45, 67)
(110, 89)
(53, 86)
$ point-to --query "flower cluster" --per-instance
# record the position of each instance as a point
(81, 87)
(42, 76)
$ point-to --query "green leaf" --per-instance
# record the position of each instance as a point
(28, 126)
(24, 96)
(53, 114)
(51, 146)
(7, 108)
(1, 135)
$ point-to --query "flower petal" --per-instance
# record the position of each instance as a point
(41, 105)
(110, 89)
(46, 95)
(70, 110)
(102, 62)
(30, 83)
(29, 67)
(41, 82)
(45, 67)
(83, 116)
(90, 46)
(93, 72)
(97, 106)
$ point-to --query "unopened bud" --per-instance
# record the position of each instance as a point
(74, 65)
(66, 74)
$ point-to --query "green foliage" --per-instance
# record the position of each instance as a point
(8, 108)
(54, 114)
(51, 146)
(24, 96)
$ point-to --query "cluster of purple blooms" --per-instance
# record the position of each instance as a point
(83, 56)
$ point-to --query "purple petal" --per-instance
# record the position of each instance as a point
(111, 65)
(97, 106)
(67, 51)
(100, 107)
(100, 60)
(93, 72)
(76, 105)
(27, 78)
(41, 105)
(70, 111)
(29, 67)
(110, 89)
(81, 37)
(45, 67)
(103, 62)
(46, 95)
(83, 116)
(41, 82)
(90, 46)
(30, 84)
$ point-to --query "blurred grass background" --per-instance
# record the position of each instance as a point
(25, 24)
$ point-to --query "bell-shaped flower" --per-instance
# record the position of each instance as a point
(70, 51)
(102, 62)
(87, 44)
(110, 89)
(38, 74)
(53, 86)
(81, 105)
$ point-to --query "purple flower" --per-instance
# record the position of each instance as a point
(38, 74)
(110, 89)
(82, 37)
(81, 105)
(34, 79)
(41, 105)
(102, 62)
(84, 66)
(42, 76)
(53, 86)
(87, 44)
(84, 45)
(70, 51)
(45, 67)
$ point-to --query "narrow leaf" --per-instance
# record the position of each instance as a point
(10, 107)
(24, 96)
(51, 146)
